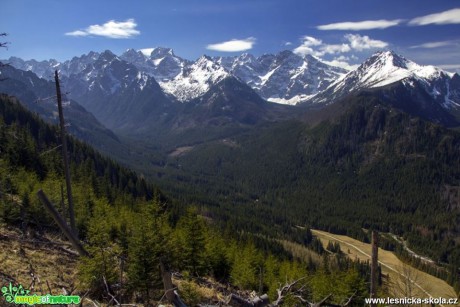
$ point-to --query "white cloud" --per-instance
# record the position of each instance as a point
(447, 17)
(361, 25)
(234, 45)
(431, 45)
(342, 62)
(354, 42)
(311, 41)
(450, 67)
(306, 47)
(304, 50)
(77, 33)
(333, 49)
(358, 42)
(110, 29)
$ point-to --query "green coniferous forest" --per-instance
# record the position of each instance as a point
(122, 217)
(373, 168)
(369, 167)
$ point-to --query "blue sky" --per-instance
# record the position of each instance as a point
(343, 32)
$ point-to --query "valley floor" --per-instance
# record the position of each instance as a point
(400, 274)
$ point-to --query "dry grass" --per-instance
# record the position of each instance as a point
(427, 285)
(179, 151)
(37, 264)
(205, 290)
(300, 252)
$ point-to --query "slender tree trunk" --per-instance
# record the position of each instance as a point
(374, 264)
(64, 156)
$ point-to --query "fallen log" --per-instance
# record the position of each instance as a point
(61, 223)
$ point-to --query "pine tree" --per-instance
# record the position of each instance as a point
(99, 271)
(216, 255)
(148, 246)
(192, 238)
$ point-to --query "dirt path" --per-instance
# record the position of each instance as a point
(427, 284)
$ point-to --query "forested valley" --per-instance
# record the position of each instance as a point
(238, 241)
(368, 167)
(121, 218)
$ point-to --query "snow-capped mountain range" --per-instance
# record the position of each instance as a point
(386, 68)
(284, 78)
(424, 91)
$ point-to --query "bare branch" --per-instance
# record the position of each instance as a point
(4, 44)
(108, 291)
(287, 289)
(350, 299)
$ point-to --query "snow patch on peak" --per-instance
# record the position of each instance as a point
(292, 101)
(195, 80)
(157, 62)
(284, 77)
(142, 80)
(386, 67)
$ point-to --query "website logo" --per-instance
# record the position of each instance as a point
(18, 295)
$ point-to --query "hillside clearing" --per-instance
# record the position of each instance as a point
(43, 264)
(428, 285)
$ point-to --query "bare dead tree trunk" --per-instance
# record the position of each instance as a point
(61, 223)
(260, 301)
(167, 283)
(374, 264)
(236, 300)
(62, 204)
(64, 155)
(3, 45)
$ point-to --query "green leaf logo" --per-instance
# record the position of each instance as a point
(10, 292)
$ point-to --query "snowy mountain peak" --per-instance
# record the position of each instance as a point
(389, 55)
(204, 59)
(287, 54)
(285, 77)
(160, 52)
(392, 59)
(195, 79)
(107, 56)
(83, 59)
(162, 63)
(387, 67)
(43, 69)
(131, 51)
(292, 79)
(424, 90)
(246, 58)
(131, 55)
(388, 61)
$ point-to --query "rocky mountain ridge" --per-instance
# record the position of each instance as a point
(116, 88)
